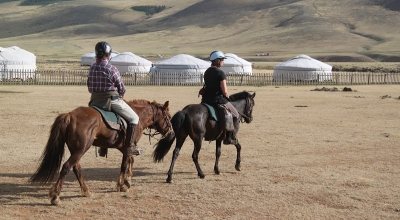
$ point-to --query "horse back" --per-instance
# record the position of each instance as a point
(198, 121)
(87, 122)
(196, 112)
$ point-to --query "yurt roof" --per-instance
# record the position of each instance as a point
(183, 61)
(93, 55)
(302, 63)
(128, 58)
(90, 58)
(15, 55)
(90, 54)
(234, 60)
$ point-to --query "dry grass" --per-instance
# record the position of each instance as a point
(336, 157)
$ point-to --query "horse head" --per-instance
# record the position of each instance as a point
(161, 117)
(244, 103)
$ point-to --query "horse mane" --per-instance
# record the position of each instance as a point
(139, 101)
(239, 96)
(145, 102)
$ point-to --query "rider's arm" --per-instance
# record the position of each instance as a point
(224, 88)
(118, 82)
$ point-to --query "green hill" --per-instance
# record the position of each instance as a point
(362, 30)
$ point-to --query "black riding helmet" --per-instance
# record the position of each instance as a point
(102, 49)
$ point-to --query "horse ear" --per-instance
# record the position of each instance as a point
(254, 95)
(166, 104)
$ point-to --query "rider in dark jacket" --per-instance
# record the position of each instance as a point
(216, 90)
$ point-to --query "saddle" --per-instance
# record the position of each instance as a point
(111, 119)
(222, 115)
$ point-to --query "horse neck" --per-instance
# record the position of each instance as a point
(145, 112)
(239, 105)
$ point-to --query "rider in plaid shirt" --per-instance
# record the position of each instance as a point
(105, 84)
(105, 77)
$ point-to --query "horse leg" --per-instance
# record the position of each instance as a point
(217, 155)
(129, 172)
(55, 191)
(125, 174)
(195, 156)
(78, 173)
(179, 142)
(238, 148)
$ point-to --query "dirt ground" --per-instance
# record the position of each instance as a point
(307, 155)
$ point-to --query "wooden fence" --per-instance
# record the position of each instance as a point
(79, 77)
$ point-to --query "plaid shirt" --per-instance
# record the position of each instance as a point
(104, 77)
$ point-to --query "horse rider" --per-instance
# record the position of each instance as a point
(216, 90)
(107, 92)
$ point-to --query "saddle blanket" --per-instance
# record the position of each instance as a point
(212, 111)
(111, 119)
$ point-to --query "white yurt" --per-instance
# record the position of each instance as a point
(89, 58)
(182, 68)
(302, 68)
(128, 62)
(17, 63)
(236, 65)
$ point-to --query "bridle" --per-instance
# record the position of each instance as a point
(246, 112)
(166, 121)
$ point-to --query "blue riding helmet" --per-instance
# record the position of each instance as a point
(217, 55)
(103, 49)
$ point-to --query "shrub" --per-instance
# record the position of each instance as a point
(39, 2)
(149, 9)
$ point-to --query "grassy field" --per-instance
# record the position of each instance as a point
(306, 155)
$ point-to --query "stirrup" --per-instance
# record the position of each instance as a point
(131, 151)
(230, 141)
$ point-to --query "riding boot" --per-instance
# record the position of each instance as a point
(231, 135)
(230, 139)
(130, 144)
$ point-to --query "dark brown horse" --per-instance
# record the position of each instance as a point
(194, 121)
(84, 127)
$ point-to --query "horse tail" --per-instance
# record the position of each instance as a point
(53, 152)
(164, 144)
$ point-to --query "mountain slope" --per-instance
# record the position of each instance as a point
(281, 27)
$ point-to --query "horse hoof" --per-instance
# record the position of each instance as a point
(170, 180)
(202, 176)
(55, 200)
(86, 194)
(237, 167)
(127, 183)
(217, 172)
(124, 189)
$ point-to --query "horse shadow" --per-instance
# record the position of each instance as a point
(18, 186)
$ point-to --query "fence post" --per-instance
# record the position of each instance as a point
(135, 81)
(63, 77)
(369, 78)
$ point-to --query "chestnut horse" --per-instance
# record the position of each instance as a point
(84, 127)
(194, 121)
